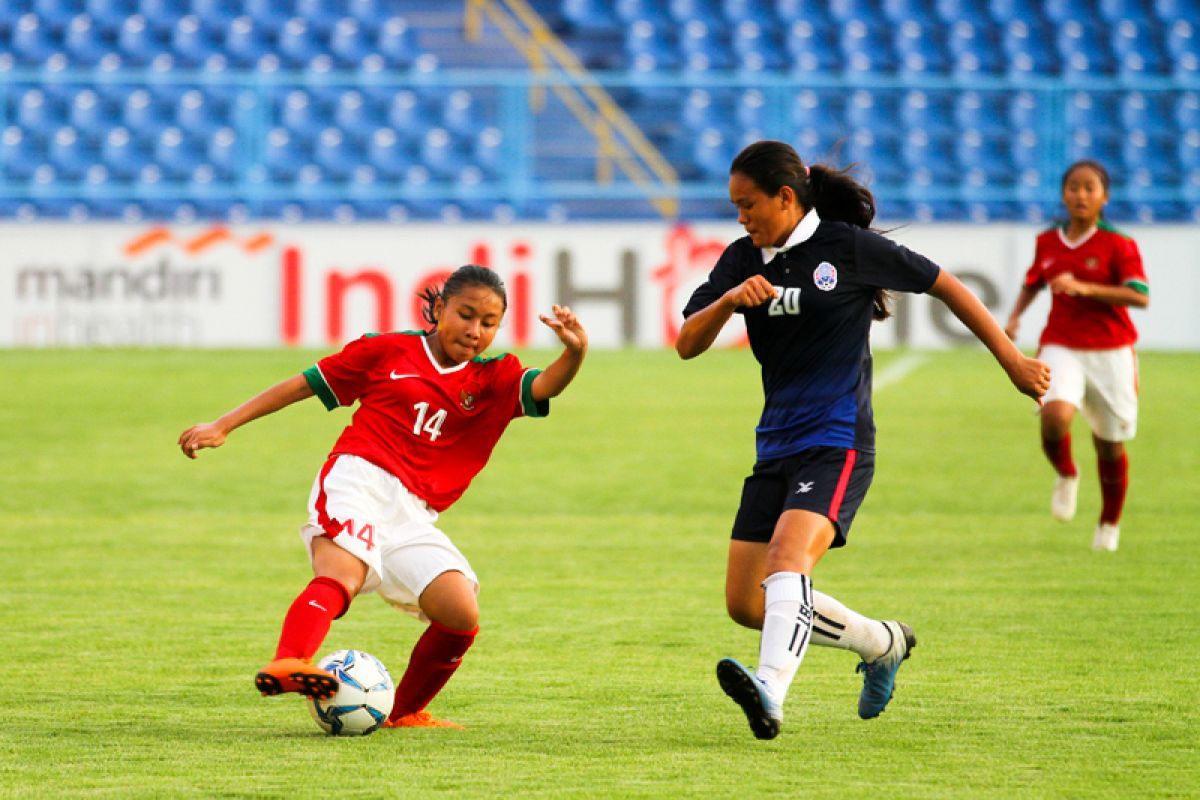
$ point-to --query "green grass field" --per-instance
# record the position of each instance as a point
(141, 591)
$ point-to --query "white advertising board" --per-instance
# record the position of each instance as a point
(321, 285)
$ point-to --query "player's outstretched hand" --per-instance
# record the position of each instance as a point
(1031, 377)
(566, 327)
(198, 437)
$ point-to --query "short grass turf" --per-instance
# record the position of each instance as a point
(141, 591)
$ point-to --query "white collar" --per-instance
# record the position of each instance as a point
(1062, 236)
(441, 370)
(801, 233)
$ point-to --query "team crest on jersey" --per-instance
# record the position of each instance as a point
(466, 399)
(825, 276)
(1091, 262)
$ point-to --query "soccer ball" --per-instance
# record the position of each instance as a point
(364, 697)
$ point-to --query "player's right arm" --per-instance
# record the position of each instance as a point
(1028, 293)
(212, 434)
(701, 329)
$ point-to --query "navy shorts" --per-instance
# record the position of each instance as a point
(830, 481)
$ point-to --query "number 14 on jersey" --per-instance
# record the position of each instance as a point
(429, 423)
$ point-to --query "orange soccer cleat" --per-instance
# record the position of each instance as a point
(295, 675)
(420, 719)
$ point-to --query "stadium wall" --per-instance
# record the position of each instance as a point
(320, 285)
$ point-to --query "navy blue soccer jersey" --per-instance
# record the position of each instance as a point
(812, 340)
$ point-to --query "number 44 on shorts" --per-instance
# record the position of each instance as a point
(366, 533)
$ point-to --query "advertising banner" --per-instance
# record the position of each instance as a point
(265, 285)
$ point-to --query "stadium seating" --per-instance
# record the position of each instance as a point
(299, 100)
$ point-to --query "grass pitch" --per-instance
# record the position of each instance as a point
(141, 591)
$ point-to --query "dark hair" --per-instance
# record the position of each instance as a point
(461, 279)
(1089, 164)
(834, 193)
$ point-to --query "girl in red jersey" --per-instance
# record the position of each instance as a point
(431, 408)
(1094, 273)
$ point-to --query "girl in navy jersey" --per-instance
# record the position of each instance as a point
(808, 279)
(1095, 274)
(431, 408)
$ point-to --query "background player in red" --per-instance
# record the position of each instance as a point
(431, 409)
(1094, 273)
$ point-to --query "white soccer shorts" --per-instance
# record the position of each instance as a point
(1103, 384)
(369, 512)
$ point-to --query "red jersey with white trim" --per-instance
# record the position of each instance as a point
(1104, 256)
(433, 428)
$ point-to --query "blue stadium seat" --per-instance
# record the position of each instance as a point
(876, 156)
(175, 155)
(199, 112)
(56, 14)
(1005, 11)
(387, 154)
(867, 46)
(1028, 151)
(932, 154)
(757, 47)
(1152, 112)
(1031, 52)
(1139, 11)
(988, 154)
(971, 11)
(1085, 50)
(355, 115)
(490, 153)
(1183, 47)
(1063, 11)
(975, 49)
(301, 115)
(814, 11)
(930, 111)
(1102, 147)
(821, 110)
(108, 14)
(921, 49)
(464, 114)
(406, 113)
(298, 43)
(20, 155)
(866, 11)
(223, 152)
(652, 11)
(984, 111)
(282, 155)
(270, 14)
(144, 115)
(703, 109)
(813, 47)
(1171, 10)
(335, 153)
(1154, 154)
(396, 43)
(751, 110)
(321, 14)
(1188, 152)
(760, 12)
(138, 43)
(83, 42)
(920, 11)
(1092, 111)
(1187, 111)
(245, 42)
(36, 112)
(644, 38)
(713, 151)
(371, 13)
(1027, 110)
(705, 47)
(88, 114)
(32, 42)
(215, 14)
(706, 11)
(350, 42)
(875, 111)
(121, 154)
(439, 154)
(191, 42)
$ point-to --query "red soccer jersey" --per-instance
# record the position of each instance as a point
(1103, 256)
(432, 427)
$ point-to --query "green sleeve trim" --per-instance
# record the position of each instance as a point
(1141, 287)
(316, 382)
(532, 408)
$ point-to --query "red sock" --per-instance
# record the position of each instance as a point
(310, 616)
(1114, 481)
(1059, 454)
(434, 659)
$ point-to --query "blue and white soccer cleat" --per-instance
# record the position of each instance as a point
(762, 712)
(879, 677)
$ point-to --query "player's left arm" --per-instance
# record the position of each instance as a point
(1030, 376)
(551, 381)
(213, 434)
(1136, 295)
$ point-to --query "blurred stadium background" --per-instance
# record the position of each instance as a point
(576, 110)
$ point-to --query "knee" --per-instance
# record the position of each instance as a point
(459, 619)
(744, 614)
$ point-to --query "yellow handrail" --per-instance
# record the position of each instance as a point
(618, 139)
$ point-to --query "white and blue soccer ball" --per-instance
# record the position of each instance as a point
(364, 697)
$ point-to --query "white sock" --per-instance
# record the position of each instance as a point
(834, 625)
(787, 626)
